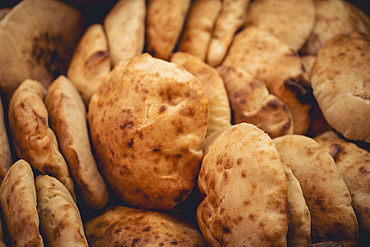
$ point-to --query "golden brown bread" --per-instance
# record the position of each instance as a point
(90, 63)
(340, 81)
(278, 66)
(165, 19)
(148, 121)
(34, 141)
(68, 120)
(5, 154)
(326, 194)
(18, 203)
(124, 226)
(219, 113)
(252, 103)
(125, 27)
(245, 190)
(60, 220)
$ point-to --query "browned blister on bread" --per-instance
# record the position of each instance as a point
(124, 226)
(251, 102)
(165, 20)
(18, 203)
(326, 194)
(5, 154)
(68, 120)
(34, 141)
(278, 66)
(60, 220)
(90, 63)
(245, 190)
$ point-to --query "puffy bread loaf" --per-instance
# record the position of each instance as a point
(230, 19)
(245, 190)
(60, 220)
(341, 84)
(219, 113)
(278, 66)
(252, 103)
(68, 120)
(335, 17)
(299, 231)
(18, 203)
(34, 141)
(165, 20)
(125, 27)
(148, 122)
(199, 26)
(354, 165)
(308, 62)
(326, 194)
(291, 21)
(37, 40)
(5, 155)
(124, 226)
(90, 63)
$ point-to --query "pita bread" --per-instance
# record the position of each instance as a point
(354, 165)
(335, 17)
(199, 27)
(60, 220)
(279, 67)
(219, 113)
(236, 170)
(125, 27)
(340, 82)
(37, 40)
(18, 204)
(91, 62)
(326, 194)
(123, 226)
(68, 119)
(147, 122)
(308, 62)
(165, 20)
(252, 103)
(34, 141)
(5, 154)
(291, 21)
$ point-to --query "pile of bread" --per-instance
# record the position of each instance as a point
(255, 112)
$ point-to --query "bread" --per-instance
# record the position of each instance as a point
(199, 26)
(60, 220)
(68, 119)
(326, 194)
(5, 154)
(125, 27)
(4, 12)
(34, 141)
(90, 63)
(230, 19)
(340, 82)
(278, 66)
(124, 226)
(165, 19)
(18, 204)
(148, 121)
(354, 165)
(308, 62)
(219, 113)
(245, 190)
(291, 21)
(335, 17)
(37, 39)
(252, 103)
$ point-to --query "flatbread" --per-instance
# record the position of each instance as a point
(60, 220)
(90, 63)
(5, 155)
(68, 119)
(245, 190)
(34, 141)
(125, 27)
(18, 204)
(219, 113)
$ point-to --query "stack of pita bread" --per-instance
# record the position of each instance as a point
(189, 123)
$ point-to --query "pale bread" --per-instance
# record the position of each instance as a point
(5, 155)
